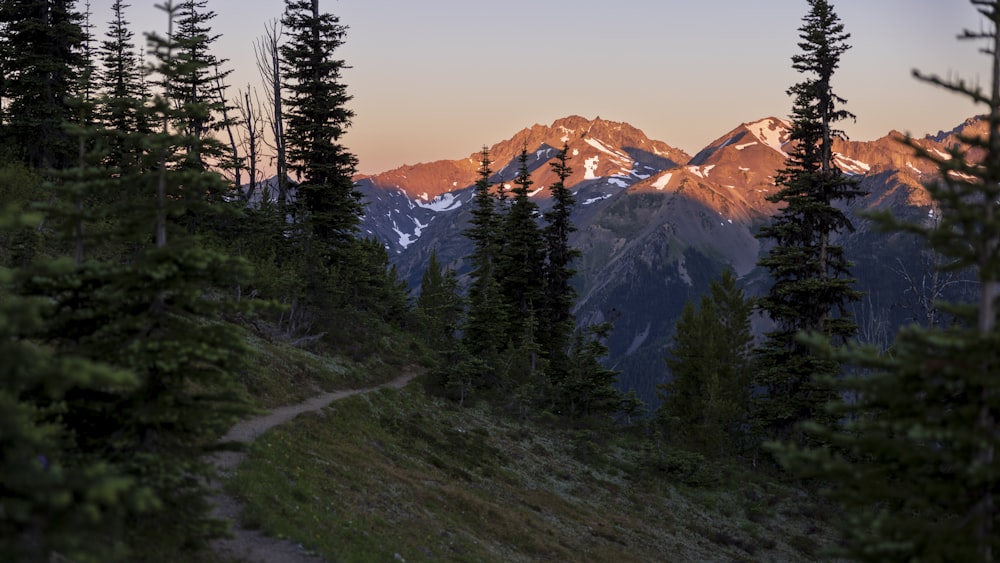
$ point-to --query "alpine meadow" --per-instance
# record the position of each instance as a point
(221, 341)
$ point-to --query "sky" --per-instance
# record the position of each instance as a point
(438, 79)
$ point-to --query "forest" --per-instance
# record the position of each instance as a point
(141, 253)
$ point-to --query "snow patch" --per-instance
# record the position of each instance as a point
(536, 192)
(850, 165)
(744, 169)
(745, 145)
(701, 171)
(963, 177)
(769, 131)
(590, 168)
(942, 154)
(405, 239)
(663, 180)
(605, 149)
(420, 227)
(443, 202)
(596, 199)
(914, 168)
(618, 182)
(576, 152)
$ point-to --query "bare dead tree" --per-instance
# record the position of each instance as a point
(874, 326)
(929, 283)
(251, 134)
(268, 54)
(237, 162)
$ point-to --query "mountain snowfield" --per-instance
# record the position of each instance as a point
(655, 224)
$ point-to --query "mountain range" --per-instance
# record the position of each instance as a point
(656, 225)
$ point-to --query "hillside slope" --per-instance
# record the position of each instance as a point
(396, 475)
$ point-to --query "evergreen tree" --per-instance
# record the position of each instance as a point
(812, 287)
(484, 329)
(913, 464)
(317, 118)
(520, 268)
(42, 59)
(559, 323)
(56, 502)
(439, 307)
(588, 388)
(120, 83)
(199, 83)
(363, 279)
(706, 404)
(159, 315)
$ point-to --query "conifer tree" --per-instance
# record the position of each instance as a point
(363, 279)
(57, 502)
(42, 58)
(913, 465)
(588, 388)
(199, 81)
(559, 323)
(706, 404)
(520, 268)
(439, 307)
(812, 287)
(120, 83)
(157, 314)
(317, 119)
(484, 331)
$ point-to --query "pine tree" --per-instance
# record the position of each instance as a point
(317, 119)
(812, 287)
(42, 59)
(913, 465)
(706, 404)
(559, 323)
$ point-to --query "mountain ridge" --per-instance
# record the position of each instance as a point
(656, 225)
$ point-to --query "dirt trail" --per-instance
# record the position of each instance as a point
(251, 545)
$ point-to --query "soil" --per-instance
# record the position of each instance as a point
(252, 546)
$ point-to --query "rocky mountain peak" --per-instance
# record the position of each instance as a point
(598, 149)
(973, 126)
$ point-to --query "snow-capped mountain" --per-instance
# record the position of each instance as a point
(606, 157)
(655, 225)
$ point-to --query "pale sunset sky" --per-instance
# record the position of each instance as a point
(438, 79)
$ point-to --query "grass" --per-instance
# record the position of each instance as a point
(397, 474)
(281, 374)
